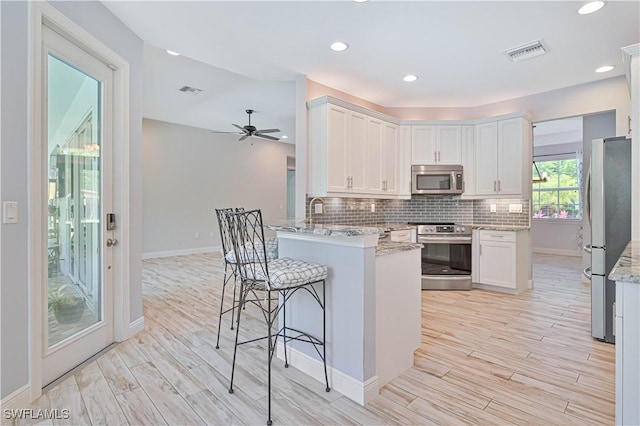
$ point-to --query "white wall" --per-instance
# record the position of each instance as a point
(189, 172)
(97, 20)
(556, 237)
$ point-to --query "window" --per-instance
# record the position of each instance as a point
(559, 196)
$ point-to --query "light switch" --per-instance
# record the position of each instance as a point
(10, 212)
(493, 208)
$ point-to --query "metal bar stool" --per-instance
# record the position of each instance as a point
(283, 277)
(230, 264)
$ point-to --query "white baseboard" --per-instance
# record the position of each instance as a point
(558, 252)
(20, 398)
(357, 391)
(183, 252)
(136, 326)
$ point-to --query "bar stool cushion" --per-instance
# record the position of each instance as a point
(271, 245)
(287, 272)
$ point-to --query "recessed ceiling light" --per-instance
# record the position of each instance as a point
(171, 52)
(361, 1)
(409, 78)
(284, 137)
(339, 46)
(591, 7)
(605, 68)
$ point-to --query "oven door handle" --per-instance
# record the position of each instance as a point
(452, 240)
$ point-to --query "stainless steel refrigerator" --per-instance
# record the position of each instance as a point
(609, 210)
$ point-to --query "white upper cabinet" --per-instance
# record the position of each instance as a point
(503, 158)
(352, 153)
(436, 145)
(390, 158)
(468, 161)
(486, 158)
(374, 156)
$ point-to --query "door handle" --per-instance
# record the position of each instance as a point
(495, 186)
(587, 248)
(498, 185)
(435, 156)
(438, 156)
(587, 273)
(112, 242)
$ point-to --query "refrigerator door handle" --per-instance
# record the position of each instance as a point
(588, 196)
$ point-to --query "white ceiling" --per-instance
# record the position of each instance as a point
(454, 47)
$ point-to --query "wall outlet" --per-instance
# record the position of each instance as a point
(515, 208)
(493, 208)
(196, 235)
(318, 208)
(373, 207)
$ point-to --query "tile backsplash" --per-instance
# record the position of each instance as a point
(358, 211)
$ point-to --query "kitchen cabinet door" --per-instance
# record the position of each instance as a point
(357, 151)
(510, 146)
(449, 145)
(486, 158)
(390, 158)
(404, 163)
(468, 161)
(424, 148)
(497, 263)
(337, 154)
(374, 156)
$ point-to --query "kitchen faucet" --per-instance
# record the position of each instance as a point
(311, 206)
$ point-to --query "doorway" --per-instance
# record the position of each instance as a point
(77, 98)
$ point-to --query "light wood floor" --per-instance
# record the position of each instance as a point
(486, 358)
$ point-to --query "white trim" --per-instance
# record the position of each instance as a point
(357, 391)
(181, 252)
(627, 53)
(20, 398)
(41, 13)
(385, 117)
(136, 327)
(558, 252)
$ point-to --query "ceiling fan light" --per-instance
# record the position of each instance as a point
(284, 137)
(591, 7)
(339, 46)
(605, 68)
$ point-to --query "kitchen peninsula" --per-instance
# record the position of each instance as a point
(372, 305)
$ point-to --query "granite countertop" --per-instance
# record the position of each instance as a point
(383, 249)
(386, 227)
(499, 227)
(319, 229)
(627, 269)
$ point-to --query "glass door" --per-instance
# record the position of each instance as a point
(78, 318)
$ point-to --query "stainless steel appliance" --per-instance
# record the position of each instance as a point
(608, 208)
(436, 179)
(446, 256)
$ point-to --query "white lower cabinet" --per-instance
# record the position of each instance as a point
(627, 353)
(501, 260)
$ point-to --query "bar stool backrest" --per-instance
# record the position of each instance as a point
(249, 245)
(225, 231)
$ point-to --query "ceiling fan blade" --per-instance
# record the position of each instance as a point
(243, 137)
(241, 128)
(268, 131)
(260, 135)
(214, 131)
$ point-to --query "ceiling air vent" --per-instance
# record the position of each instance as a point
(190, 90)
(525, 51)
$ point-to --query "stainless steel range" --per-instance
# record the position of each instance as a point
(446, 256)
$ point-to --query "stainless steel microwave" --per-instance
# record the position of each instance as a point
(437, 180)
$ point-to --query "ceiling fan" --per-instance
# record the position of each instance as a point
(250, 130)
